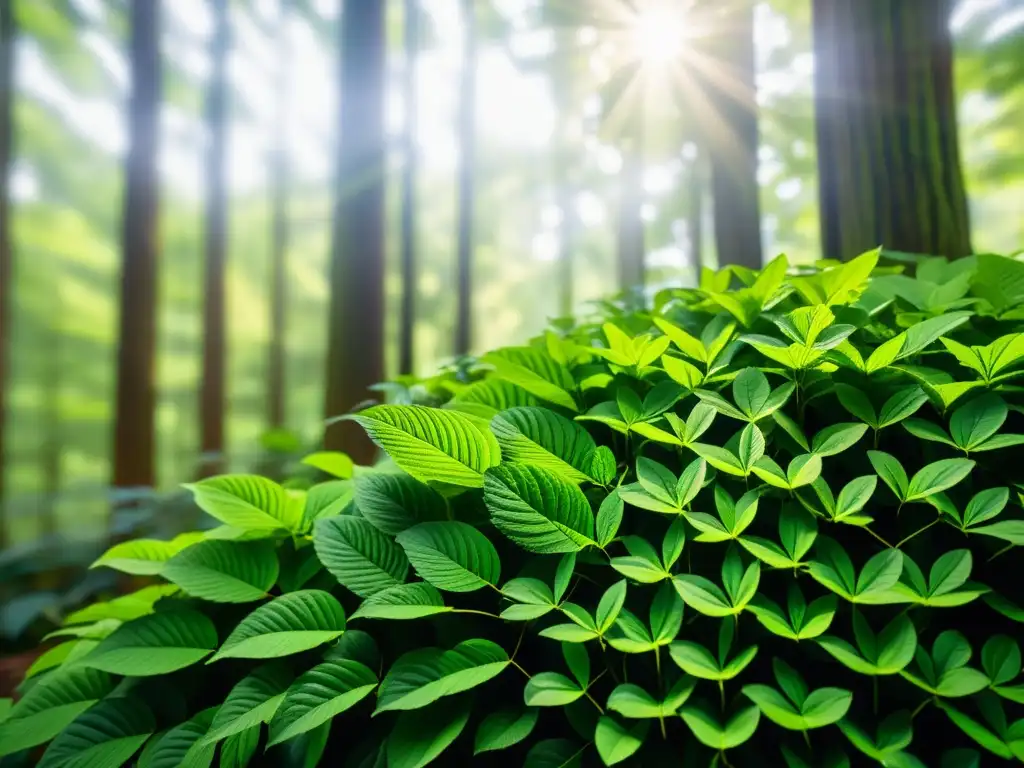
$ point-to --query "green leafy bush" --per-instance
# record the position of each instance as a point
(769, 521)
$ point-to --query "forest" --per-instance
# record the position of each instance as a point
(223, 221)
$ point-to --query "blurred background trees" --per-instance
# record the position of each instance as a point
(315, 175)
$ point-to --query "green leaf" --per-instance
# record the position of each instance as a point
(554, 753)
(431, 444)
(404, 601)
(657, 481)
(1007, 530)
(326, 500)
(1001, 659)
(144, 557)
(702, 595)
(937, 476)
(50, 706)
(610, 604)
(972, 424)
(609, 518)
(225, 571)
(156, 644)
(710, 731)
(359, 556)
(720, 404)
(542, 438)
(535, 595)
(634, 702)
(577, 658)
(534, 371)
(550, 689)
(423, 676)
(486, 397)
(603, 465)
(331, 462)
(123, 608)
(901, 405)
(180, 746)
(287, 624)
(563, 573)
(108, 734)
(879, 573)
(837, 438)
(319, 695)
(248, 502)
(750, 391)
(615, 742)
(504, 729)
(976, 731)
(856, 403)
(720, 458)
(452, 556)
(538, 510)
(392, 502)
(891, 471)
(254, 700)
(418, 738)
(237, 751)
(750, 447)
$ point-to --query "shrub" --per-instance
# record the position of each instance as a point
(757, 525)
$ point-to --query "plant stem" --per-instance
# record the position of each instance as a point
(516, 665)
(1007, 548)
(657, 664)
(876, 438)
(661, 722)
(519, 642)
(593, 701)
(721, 694)
(887, 544)
(478, 613)
(919, 530)
(919, 707)
(807, 739)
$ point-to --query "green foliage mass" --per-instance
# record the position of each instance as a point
(769, 521)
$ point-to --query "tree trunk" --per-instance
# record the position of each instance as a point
(7, 35)
(888, 153)
(276, 408)
(133, 427)
(631, 224)
(356, 333)
(565, 188)
(695, 213)
(214, 351)
(407, 322)
(731, 138)
(467, 159)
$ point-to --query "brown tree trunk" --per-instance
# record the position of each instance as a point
(276, 408)
(356, 333)
(7, 35)
(133, 427)
(407, 321)
(214, 351)
(467, 159)
(888, 153)
(732, 138)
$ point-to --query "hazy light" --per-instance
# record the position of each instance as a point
(659, 34)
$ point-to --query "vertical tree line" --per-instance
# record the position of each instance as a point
(889, 158)
(6, 259)
(211, 401)
(355, 357)
(407, 319)
(466, 130)
(134, 405)
(279, 173)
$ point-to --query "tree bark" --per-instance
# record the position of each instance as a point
(356, 333)
(276, 407)
(565, 188)
(731, 138)
(133, 427)
(407, 321)
(631, 224)
(467, 160)
(7, 36)
(888, 153)
(214, 350)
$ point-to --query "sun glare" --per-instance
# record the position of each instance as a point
(659, 35)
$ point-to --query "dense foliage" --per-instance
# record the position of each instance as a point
(768, 521)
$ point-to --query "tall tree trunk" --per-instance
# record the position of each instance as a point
(732, 138)
(565, 188)
(7, 35)
(214, 351)
(356, 334)
(467, 161)
(695, 213)
(133, 427)
(276, 409)
(631, 224)
(407, 323)
(888, 153)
